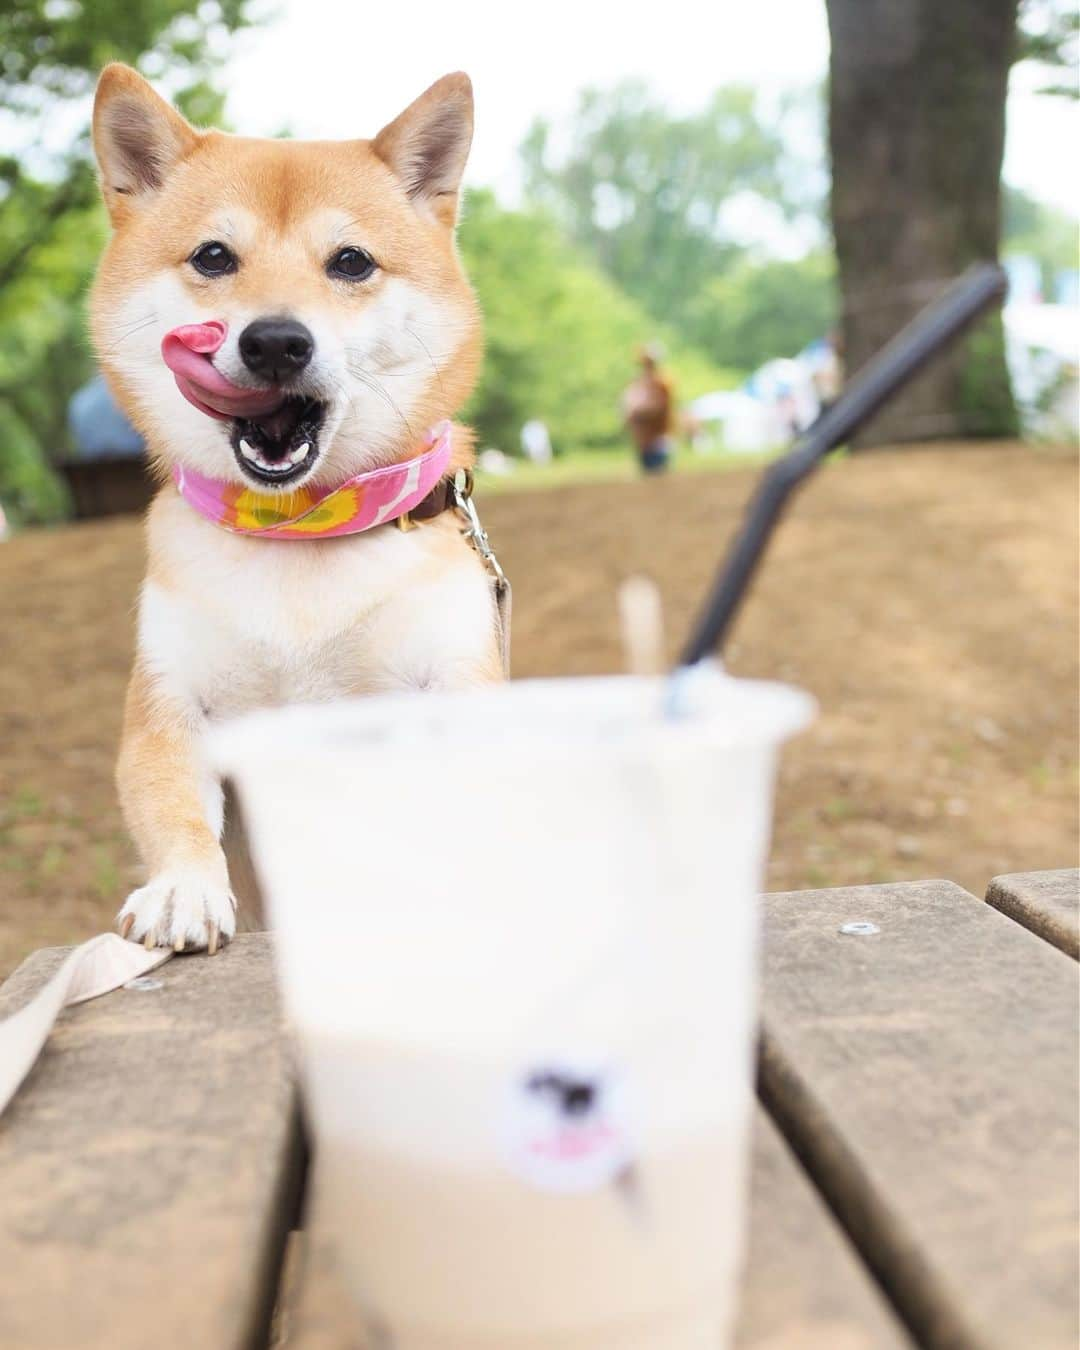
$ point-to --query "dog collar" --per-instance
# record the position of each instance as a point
(360, 503)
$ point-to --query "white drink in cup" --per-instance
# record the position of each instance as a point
(517, 935)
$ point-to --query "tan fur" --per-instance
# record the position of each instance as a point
(158, 776)
(229, 623)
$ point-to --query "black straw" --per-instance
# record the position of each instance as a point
(927, 334)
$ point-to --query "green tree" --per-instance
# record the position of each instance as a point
(757, 310)
(50, 256)
(1049, 34)
(53, 50)
(560, 335)
(1042, 232)
(647, 194)
(51, 226)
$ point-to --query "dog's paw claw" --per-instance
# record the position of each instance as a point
(186, 910)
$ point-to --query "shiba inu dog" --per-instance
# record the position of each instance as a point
(286, 323)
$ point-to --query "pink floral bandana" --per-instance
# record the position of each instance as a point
(360, 503)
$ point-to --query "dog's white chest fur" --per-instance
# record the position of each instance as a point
(229, 623)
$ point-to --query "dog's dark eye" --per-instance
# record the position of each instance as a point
(354, 264)
(213, 259)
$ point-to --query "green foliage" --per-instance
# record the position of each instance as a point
(560, 336)
(28, 489)
(1048, 33)
(758, 310)
(47, 255)
(1043, 232)
(51, 225)
(645, 193)
(985, 400)
(53, 49)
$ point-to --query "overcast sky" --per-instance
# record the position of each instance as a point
(323, 69)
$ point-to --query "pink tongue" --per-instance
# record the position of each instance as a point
(187, 350)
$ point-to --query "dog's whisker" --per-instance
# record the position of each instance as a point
(376, 388)
(143, 318)
(434, 365)
(343, 393)
(130, 332)
(387, 374)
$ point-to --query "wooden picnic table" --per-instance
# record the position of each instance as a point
(914, 1166)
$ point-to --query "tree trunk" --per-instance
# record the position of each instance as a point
(916, 134)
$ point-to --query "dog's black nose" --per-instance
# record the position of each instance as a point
(274, 349)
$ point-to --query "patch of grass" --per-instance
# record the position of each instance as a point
(25, 802)
(106, 877)
(605, 466)
(839, 808)
(51, 860)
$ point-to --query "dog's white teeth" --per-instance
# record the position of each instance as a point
(275, 466)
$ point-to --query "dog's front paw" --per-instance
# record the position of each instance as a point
(185, 909)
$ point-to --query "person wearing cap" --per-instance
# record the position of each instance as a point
(648, 412)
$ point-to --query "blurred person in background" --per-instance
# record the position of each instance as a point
(648, 405)
(823, 359)
(536, 441)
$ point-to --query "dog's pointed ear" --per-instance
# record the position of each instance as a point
(138, 137)
(428, 144)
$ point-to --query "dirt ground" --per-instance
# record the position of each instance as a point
(927, 597)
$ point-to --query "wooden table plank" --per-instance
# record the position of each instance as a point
(1046, 902)
(148, 1163)
(927, 1076)
(804, 1288)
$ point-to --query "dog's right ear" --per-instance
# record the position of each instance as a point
(138, 138)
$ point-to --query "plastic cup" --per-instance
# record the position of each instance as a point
(517, 934)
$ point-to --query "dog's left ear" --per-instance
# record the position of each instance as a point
(428, 144)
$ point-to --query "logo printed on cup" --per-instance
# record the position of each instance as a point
(568, 1128)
